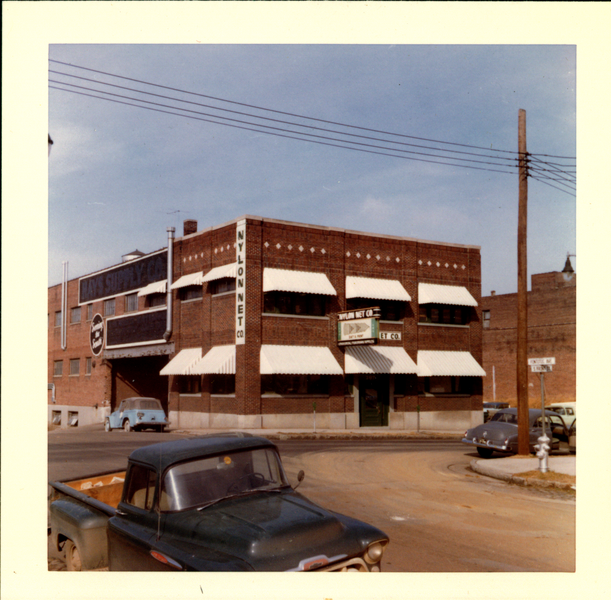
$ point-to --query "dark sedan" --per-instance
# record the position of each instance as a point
(500, 434)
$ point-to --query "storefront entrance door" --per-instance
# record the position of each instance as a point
(374, 391)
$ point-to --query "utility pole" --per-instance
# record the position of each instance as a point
(522, 350)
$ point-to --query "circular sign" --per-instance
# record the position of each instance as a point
(97, 334)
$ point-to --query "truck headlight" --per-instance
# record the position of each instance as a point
(374, 552)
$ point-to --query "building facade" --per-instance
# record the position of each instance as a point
(552, 332)
(260, 323)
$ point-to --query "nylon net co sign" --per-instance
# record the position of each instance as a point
(356, 327)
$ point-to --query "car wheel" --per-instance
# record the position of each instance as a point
(485, 452)
(107, 425)
(73, 558)
(126, 426)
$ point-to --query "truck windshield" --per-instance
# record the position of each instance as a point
(206, 480)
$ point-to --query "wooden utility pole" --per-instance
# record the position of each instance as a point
(522, 351)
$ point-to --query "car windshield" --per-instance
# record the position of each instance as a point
(207, 480)
(505, 418)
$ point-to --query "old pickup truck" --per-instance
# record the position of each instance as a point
(211, 503)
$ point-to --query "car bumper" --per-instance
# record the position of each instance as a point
(491, 444)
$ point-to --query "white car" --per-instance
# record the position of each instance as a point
(566, 409)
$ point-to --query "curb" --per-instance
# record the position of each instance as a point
(523, 481)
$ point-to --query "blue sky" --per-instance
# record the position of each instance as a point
(119, 175)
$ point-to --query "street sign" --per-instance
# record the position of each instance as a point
(541, 368)
(542, 361)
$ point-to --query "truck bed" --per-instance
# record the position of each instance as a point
(106, 488)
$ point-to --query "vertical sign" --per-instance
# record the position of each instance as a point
(240, 282)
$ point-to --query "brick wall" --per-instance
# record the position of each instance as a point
(552, 331)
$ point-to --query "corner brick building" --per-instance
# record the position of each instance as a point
(552, 332)
(240, 326)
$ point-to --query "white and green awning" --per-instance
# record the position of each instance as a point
(182, 362)
(378, 359)
(222, 272)
(433, 293)
(157, 287)
(298, 360)
(445, 362)
(376, 289)
(219, 360)
(305, 282)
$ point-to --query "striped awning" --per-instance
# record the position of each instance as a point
(378, 359)
(157, 287)
(441, 362)
(298, 360)
(219, 360)
(376, 289)
(230, 270)
(191, 279)
(181, 363)
(305, 282)
(433, 293)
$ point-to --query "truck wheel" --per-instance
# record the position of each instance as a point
(485, 452)
(107, 425)
(73, 558)
(127, 426)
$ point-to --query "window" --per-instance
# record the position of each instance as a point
(75, 367)
(444, 314)
(190, 384)
(222, 384)
(445, 385)
(285, 303)
(391, 310)
(89, 312)
(191, 292)
(75, 314)
(156, 300)
(486, 317)
(220, 286)
(58, 318)
(131, 303)
(58, 368)
(140, 487)
(88, 366)
(109, 307)
(295, 384)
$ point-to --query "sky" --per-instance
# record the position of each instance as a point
(120, 175)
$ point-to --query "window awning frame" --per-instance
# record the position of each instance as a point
(219, 360)
(303, 282)
(181, 363)
(432, 363)
(378, 359)
(376, 289)
(433, 293)
(222, 272)
(187, 280)
(298, 360)
(157, 287)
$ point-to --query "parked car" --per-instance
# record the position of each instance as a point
(573, 437)
(567, 410)
(500, 434)
(138, 413)
(490, 408)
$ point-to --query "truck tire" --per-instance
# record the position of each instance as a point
(73, 558)
(127, 426)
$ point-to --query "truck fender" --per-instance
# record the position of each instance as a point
(83, 526)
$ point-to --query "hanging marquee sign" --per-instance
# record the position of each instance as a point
(96, 336)
(356, 327)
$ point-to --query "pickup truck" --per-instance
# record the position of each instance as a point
(211, 503)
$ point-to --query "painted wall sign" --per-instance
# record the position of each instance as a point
(240, 283)
(96, 335)
(390, 335)
(124, 278)
(141, 328)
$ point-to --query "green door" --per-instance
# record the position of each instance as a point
(374, 400)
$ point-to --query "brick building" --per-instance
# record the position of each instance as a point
(552, 332)
(259, 323)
